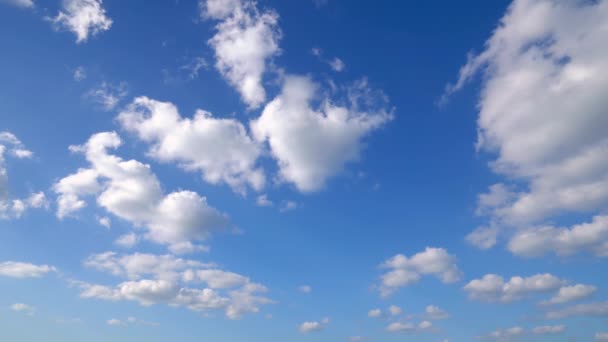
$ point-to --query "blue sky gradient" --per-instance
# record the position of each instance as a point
(457, 152)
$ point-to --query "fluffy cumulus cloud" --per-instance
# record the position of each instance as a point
(572, 293)
(245, 41)
(591, 237)
(12, 147)
(312, 144)
(129, 322)
(308, 327)
(403, 270)
(15, 269)
(220, 149)
(549, 329)
(374, 313)
(84, 18)
(543, 113)
(129, 190)
(165, 279)
(494, 288)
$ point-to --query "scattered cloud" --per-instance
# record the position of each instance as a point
(505, 334)
(15, 269)
(544, 73)
(591, 237)
(493, 288)
(572, 293)
(435, 313)
(586, 309)
(308, 327)
(130, 321)
(128, 240)
(549, 329)
(219, 148)
(84, 18)
(20, 3)
(311, 145)
(394, 310)
(403, 327)
(129, 190)
(374, 313)
(245, 41)
(108, 95)
(80, 73)
(601, 336)
(305, 289)
(165, 279)
(23, 308)
(403, 271)
(263, 201)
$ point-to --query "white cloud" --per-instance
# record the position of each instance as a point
(572, 293)
(395, 310)
(337, 64)
(493, 288)
(601, 336)
(435, 313)
(400, 327)
(311, 145)
(129, 190)
(105, 221)
(263, 201)
(587, 309)
(543, 113)
(20, 3)
(549, 329)
(505, 334)
(83, 17)
(165, 279)
(288, 206)
(80, 73)
(483, 237)
(245, 41)
(374, 313)
(14, 208)
(305, 289)
(24, 308)
(129, 321)
(589, 237)
(187, 247)
(403, 327)
(24, 270)
(308, 327)
(108, 95)
(220, 149)
(128, 240)
(115, 322)
(404, 271)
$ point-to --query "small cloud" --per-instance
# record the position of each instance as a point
(105, 221)
(308, 327)
(374, 313)
(305, 289)
(337, 64)
(288, 206)
(19, 3)
(127, 240)
(395, 310)
(79, 74)
(263, 201)
(108, 95)
(24, 308)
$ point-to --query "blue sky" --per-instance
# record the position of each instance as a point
(231, 170)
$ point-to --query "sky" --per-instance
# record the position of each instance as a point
(312, 170)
